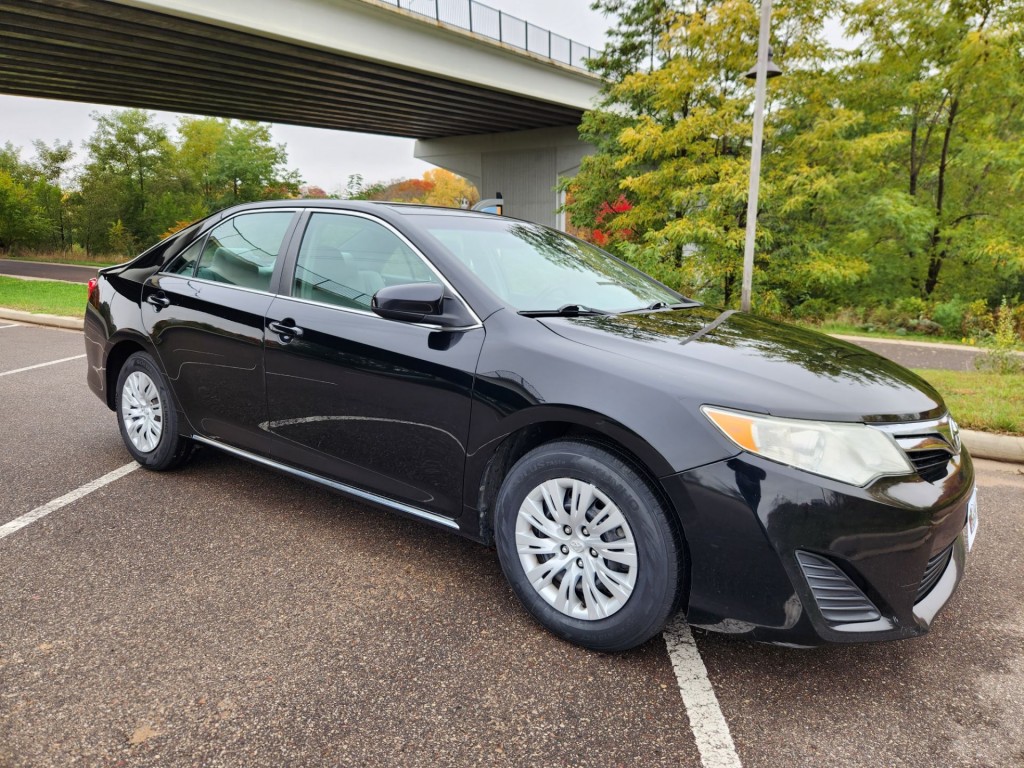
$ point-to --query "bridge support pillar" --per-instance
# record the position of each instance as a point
(525, 166)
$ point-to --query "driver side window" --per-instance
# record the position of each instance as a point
(345, 259)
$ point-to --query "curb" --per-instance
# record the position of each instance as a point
(50, 321)
(985, 445)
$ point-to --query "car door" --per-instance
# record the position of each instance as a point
(205, 315)
(378, 404)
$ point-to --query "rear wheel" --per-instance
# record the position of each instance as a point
(147, 417)
(587, 546)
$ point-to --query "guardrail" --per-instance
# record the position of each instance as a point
(503, 27)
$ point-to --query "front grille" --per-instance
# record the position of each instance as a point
(933, 572)
(838, 598)
(930, 445)
(931, 465)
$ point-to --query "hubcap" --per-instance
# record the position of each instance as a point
(576, 548)
(142, 411)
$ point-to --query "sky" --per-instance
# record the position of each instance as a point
(324, 158)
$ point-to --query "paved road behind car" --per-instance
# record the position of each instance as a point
(70, 273)
(914, 354)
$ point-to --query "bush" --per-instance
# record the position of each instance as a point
(769, 304)
(978, 320)
(851, 316)
(955, 318)
(911, 308)
(121, 239)
(926, 326)
(884, 318)
(1018, 321)
(950, 315)
(1003, 358)
(812, 309)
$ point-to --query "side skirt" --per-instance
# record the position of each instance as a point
(350, 490)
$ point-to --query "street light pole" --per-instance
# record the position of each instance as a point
(760, 87)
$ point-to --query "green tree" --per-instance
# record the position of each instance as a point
(673, 135)
(250, 166)
(941, 82)
(21, 219)
(54, 167)
(225, 162)
(129, 160)
(137, 184)
(21, 222)
(203, 141)
(893, 170)
(19, 170)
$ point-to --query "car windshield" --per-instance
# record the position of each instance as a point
(536, 269)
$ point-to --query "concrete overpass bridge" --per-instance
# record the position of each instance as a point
(503, 114)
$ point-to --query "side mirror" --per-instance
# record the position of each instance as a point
(411, 302)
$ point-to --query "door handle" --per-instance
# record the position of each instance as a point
(285, 329)
(158, 300)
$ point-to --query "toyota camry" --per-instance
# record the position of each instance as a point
(629, 452)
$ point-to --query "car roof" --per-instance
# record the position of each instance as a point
(368, 206)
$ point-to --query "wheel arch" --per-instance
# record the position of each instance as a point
(120, 349)
(546, 424)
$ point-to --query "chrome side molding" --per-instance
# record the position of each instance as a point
(347, 489)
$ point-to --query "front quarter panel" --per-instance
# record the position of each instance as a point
(528, 375)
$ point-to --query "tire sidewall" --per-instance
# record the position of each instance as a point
(167, 449)
(658, 552)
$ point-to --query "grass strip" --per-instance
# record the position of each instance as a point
(43, 296)
(988, 402)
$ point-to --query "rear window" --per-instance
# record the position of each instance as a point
(243, 250)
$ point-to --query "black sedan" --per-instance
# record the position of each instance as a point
(629, 452)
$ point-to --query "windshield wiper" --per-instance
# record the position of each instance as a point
(566, 310)
(663, 305)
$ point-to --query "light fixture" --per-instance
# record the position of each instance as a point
(772, 70)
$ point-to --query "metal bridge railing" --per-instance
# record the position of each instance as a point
(498, 25)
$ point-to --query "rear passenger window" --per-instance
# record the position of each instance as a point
(185, 262)
(346, 259)
(243, 250)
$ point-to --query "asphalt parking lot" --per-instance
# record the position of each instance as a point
(225, 615)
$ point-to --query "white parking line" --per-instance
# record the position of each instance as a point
(41, 365)
(39, 512)
(710, 731)
(12, 325)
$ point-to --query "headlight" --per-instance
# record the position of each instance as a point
(851, 453)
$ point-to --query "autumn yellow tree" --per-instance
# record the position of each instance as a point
(436, 187)
(448, 190)
(891, 171)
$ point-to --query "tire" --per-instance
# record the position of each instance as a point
(147, 417)
(583, 584)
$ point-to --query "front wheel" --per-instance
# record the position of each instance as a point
(587, 546)
(147, 417)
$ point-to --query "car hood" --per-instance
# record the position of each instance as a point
(741, 361)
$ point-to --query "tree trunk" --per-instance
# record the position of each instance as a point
(937, 249)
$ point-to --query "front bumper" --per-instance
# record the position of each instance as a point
(752, 527)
